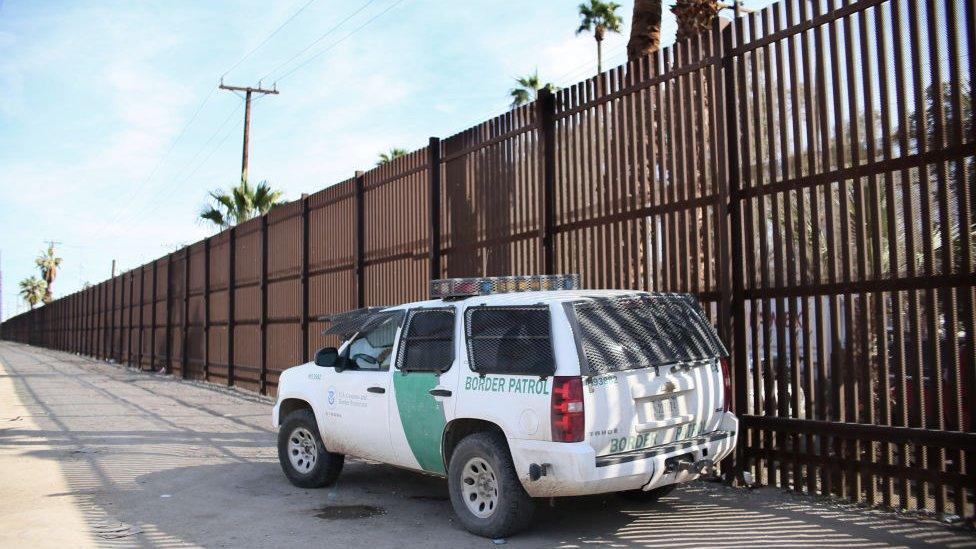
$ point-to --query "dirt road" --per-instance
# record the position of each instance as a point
(94, 454)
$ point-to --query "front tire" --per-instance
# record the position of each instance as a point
(486, 493)
(302, 454)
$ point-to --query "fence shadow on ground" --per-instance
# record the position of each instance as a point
(154, 462)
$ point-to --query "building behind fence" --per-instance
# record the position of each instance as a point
(807, 172)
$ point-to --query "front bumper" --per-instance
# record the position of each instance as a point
(573, 469)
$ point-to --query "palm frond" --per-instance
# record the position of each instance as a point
(528, 89)
(240, 203)
(265, 198)
(214, 216)
(520, 97)
(393, 154)
(599, 14)
(33, 290)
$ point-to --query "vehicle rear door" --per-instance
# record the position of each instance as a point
(651, 370)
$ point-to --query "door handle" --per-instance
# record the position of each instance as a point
(377, 390)
(440, 392)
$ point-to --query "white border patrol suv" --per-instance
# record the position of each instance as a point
(515, 388)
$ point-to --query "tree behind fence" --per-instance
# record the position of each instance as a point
(807, 173)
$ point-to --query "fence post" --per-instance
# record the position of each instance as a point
(99, 320)
(115, 356)
(106, 321)
(94, 324)
(360, 244)
(88, 294)
(103, 329)
(304, 277)
(76, 322)
(263, 385)
(68, 324)
(434, 213)
(186, 310)
(169, 314)
(741, 370)
(546, 120)
(231, 256)
(152, 311)
(128, 334)
(142, 313)
(89, 321)
(206, 309)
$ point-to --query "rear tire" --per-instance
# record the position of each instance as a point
(486, 493)
(302, 454)
(648, 497)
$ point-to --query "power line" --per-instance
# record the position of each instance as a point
(153, 206)
(135, 192)
(341, 40)
(147, 208)
(124, 215)
(267, 38)
(213, 136)
(586, 66)
(146, 212)
(317, 40)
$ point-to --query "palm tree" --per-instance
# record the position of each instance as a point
(645, 29)
(48, 263)
(393, 154)
(694, 16)
(528, 89)
(599, 17)
(240, 203)
(33, 290)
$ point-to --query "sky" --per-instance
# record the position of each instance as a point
(112, 129)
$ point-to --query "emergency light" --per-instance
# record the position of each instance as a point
(446, 288)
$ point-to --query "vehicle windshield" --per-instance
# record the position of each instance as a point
(371, 350)
(640, 331)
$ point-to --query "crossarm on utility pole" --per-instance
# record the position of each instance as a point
(248, 90)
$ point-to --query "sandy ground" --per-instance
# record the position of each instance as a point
(95, 454)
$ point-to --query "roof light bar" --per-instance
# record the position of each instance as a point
(488, 285)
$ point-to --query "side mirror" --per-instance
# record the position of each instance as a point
(326, 357)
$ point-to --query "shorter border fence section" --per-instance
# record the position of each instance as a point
(805, 170)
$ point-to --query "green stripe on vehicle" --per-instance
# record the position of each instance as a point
(425, 424)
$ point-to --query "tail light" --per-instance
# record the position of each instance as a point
(567, 409)
(726, 384)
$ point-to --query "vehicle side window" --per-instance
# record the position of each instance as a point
(428, 341)
(510, 340)
(372, 350)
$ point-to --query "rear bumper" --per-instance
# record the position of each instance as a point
(572, 469)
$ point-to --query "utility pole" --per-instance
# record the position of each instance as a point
(113, 268)
(247, 114)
